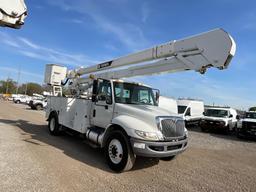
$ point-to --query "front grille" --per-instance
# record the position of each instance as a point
(173, 147)
(172, 127)
(249, 125)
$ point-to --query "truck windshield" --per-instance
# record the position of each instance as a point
(250, 115)
(216, 113)
(130, 93)
(181, 109)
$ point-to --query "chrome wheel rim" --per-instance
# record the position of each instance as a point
(115, 151)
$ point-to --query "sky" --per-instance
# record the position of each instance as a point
(85, 32)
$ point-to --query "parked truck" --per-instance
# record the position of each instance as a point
(122, 117)
(19, 98)
(246, 127)
(219, 118)
(191, 110)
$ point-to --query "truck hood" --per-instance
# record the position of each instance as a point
(248, 120)
(225, 119)
(145, 113)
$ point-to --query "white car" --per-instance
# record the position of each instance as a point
(221, 118)
(21, 99)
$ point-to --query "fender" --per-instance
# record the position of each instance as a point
(129, 124)
(52, 113)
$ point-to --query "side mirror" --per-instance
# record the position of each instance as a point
(203, 113)
(237, 117)
(109, 100)
(187, 114)
(94, 90)
(230, 116)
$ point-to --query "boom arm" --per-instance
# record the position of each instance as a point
(211, 49)
(12, 13)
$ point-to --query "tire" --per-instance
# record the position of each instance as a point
(53, 125)
(203, 129)
(39, 107)
(227, 130)
(18, 102)
(118, 152)
(238, 135)
(168, 158)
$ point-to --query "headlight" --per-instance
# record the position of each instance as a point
(239, 124)
(186, 132)
(147, 135)
(222, 123)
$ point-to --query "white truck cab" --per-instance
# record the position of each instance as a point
(191, 110)
(222, 118)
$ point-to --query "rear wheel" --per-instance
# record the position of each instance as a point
(119, 154)
(39, 107)
(18, 101)
(53, 125)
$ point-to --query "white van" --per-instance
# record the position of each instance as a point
(169, 104)
(191, 110)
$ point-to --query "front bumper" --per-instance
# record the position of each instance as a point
(158, 148)
(212, 124)
(247, 132)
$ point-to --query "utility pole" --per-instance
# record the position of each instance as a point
(7, 84)
(17, 89)
(26, 89)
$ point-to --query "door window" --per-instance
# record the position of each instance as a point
(104, 90)
(188, 112)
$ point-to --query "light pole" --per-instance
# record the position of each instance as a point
(17, 89)
(26, 88)
(7, 85)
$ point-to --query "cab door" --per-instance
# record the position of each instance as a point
(102, 109)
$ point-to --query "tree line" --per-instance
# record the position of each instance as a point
(10, 86)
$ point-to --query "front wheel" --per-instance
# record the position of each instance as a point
(53, 125)
(119, 154)
(238, 135)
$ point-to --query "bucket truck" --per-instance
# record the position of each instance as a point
(123, 117)
(12, 13)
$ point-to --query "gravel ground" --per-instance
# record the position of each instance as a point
(32, 160)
